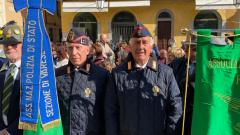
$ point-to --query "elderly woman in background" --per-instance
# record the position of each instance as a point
(179, 52)
(175, 53)
(97, 52)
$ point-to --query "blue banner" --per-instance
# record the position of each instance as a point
(49, 111)
(30, 69)
(38, 86)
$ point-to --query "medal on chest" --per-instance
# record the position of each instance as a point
(155, 90)
(88, 92)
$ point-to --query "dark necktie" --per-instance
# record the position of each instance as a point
(7, 91)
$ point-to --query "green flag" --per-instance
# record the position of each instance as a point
(51, 131)
(217, 93)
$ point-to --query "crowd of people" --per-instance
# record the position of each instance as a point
(102, 54)
(135, 89)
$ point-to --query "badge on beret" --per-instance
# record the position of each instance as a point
(156, 90)
(88, 92)
(70, 36)
(16, 31)
(139, 32)
(8, 33)
(1, 33)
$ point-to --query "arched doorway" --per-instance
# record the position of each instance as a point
(207, 20)
(164, 30)
(87, 23)
(122, 27)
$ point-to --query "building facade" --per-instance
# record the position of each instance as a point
(7, 13)
(164, 18)
(53, 24)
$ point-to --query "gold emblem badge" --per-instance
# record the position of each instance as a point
(8, 33)
(1, 33)
(88, 92)
(139, 32)
(70, 36)
(154, 65)
(16, 31)
(156, 90)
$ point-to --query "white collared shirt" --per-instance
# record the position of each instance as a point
(143, 66)
(16, 69)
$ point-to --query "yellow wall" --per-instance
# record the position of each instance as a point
(233, 20)
(10, 14)
(183, 12)
(2, 14)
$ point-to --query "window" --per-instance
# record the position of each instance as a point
(122, 27)
(164, 30)
(207, 20)
(87, 23)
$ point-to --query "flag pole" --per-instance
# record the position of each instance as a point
(188, 33)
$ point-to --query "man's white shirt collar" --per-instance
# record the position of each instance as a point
(17, 63)
(143, 66)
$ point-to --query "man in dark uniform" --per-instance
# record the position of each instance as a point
(142, 97)
(81, 88)
(11, 39)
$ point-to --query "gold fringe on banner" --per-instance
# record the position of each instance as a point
(52, 124)
(27, 126)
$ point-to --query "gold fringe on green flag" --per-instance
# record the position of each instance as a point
(56, 130)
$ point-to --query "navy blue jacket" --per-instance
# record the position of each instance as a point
(142, 101)
(81, 97)
(14, 110)
(179, 69)
(3, 60)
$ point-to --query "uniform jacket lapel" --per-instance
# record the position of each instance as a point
(2, 78)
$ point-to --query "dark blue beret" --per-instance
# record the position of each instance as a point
(140, 31)
(74, 37)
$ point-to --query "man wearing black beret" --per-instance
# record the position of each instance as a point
(81, 89)
(142, 96)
